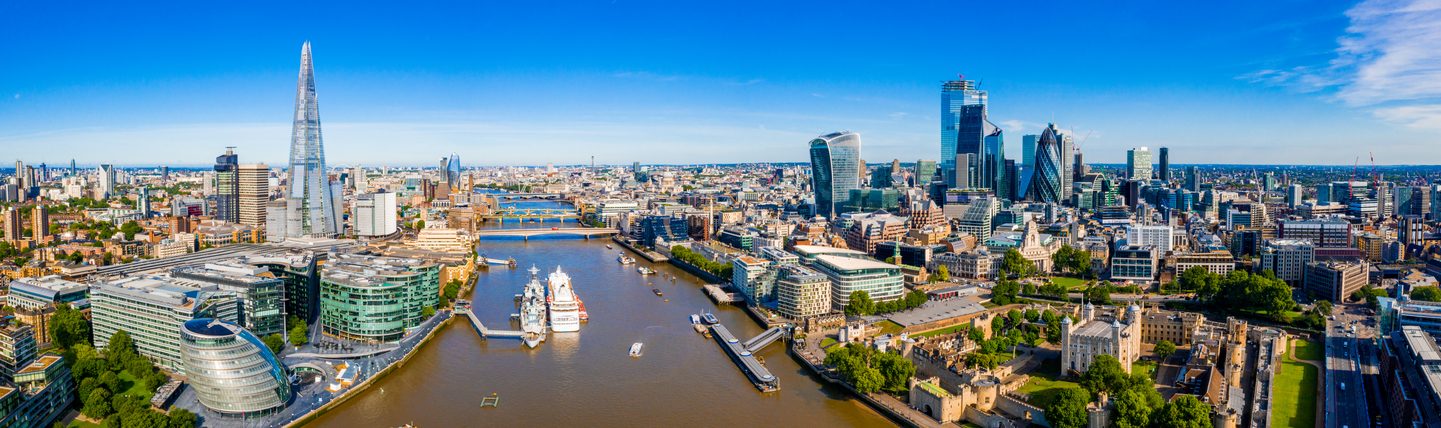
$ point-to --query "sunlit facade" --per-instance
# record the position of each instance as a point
(835, 169)
(310, 199)
(231, 370)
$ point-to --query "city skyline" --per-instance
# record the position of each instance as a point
(1341, 74)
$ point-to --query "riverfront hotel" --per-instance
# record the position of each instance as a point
(376, 299)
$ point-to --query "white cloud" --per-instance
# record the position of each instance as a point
(1389, 61)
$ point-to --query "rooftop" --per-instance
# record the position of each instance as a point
(852, 263)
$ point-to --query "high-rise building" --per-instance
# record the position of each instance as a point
(376, 299)
(230, 369)
(14, 229)
(142, 201)
(802, 293)
(955, 95)
(254, 193)
(310, 199)
(374, 214)
(1138, 164)
(835, 169)
(151, 309)
(358, 180)
(1193, 178)
(22, 181)
(17, 348)
(164, 173)
(227, 186)
(1028, 148)
(73, 171)
(1165, 173)
(1046, 179)
(1294, 194)
(452, 172)
(107, 180)
(925, 172)
(40, 222)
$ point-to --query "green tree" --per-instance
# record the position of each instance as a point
(943, 273)
(1426, 294)
(1184, 412)
(181, 418)
(1068, 409)
(1104, 375)
(299, 335)
(1132, 410)
(130, 228)
(1099, 294)
(1164, 349)
(1196, 279)
(1005, 292)
(68, 327)
(897, 371)
(1324, 307)
(869, 380)
(859, 303)
(97, 404)
(1013, 263)
(452, 290)
(120, 347)
(427, 312)
(275, 342)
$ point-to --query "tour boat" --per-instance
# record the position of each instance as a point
(565, 307)
(624, 260)
(645, 270)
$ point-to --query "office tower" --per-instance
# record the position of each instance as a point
(1067, 145)
(73, 171)
(1046, 180)
(40, 222)
(1411, 230)
(955, 95)
(452, 172)
(164, 174)
(310, 200)
(1028, 148)
(964, 170)
(1138, 164)
(1293, 195)
(351, 283)
(14, 229)
(1193, 178)
(374, 214)
(1165, 172)
(22, 182)
(142, 201)
(1324, 194)
(881, 177)
(107, 180)
(1384, 207)
(230, 369)
(253, 193)
(152, 309)
(835, 169)
(1013, 181)
(359, 182)
(227, 186)
(1268, 181)
(925, 173)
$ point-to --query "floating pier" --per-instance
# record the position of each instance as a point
(745, 359)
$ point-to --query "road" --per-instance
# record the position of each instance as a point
(1346, 369)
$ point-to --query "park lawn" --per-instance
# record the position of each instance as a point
(1309, 351)
(1043, 390)
(1147, 367)
(889, 327)
(941, 331)
(82, 424)
(1294, 403)
(1068, 282)
(137, 388)
(827, 342)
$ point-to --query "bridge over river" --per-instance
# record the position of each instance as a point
(581, 232)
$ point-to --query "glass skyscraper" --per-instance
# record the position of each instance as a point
(310, 199)
(1138, 164)
(227, 187)
(955, 96)
(835, 169)
(452, 172)
(1046, 178)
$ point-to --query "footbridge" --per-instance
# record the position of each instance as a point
(763, 339)
(486, 333)
(582, 232)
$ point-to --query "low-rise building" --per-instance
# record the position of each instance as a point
(882, 281)
(151, 309)
(1335, 280)
(1411, 378)
(45, 291)
(802, 293)
(376, 299)
(1218, 262)
(1134, 263)
(978, 264)
(1093, 335)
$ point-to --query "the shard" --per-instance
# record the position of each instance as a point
(310, 201)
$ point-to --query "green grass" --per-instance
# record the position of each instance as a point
(889, 327)
(1068, 282)
(827, 342)
(941, 331)
(82, 424)
(134, 387)
(1147, 367)
(1043, 390)
(1293, 403)
(1309, 351)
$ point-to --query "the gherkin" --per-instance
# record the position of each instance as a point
(310, 199)
(1046, 180)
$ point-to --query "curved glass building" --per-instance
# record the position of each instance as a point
(376, 299)
(452, 171)
(835, 169)
(1046, 178)
(232, 371)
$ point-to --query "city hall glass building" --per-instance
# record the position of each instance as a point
(231, 370)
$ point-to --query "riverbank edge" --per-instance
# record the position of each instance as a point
(356, 390)
(790, 350)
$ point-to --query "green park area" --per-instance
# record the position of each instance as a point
(1294, 394)
(943, 331)
(1309, 351)
(889, 327)
(1044, 385)
(1068, 282)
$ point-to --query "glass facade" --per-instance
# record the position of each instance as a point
(835, 169)
(232, 371)
(310, 203)
(1045, 183)
(882, 281)
(376, 299)
(955, 95)
(151, 310)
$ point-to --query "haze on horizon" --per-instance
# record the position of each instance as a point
(1287, 82)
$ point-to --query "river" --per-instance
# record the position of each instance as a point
(587, 378)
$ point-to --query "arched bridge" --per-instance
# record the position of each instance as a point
(583, 232)
(513, 196)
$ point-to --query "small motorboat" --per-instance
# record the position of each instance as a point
(710, 318)
(635, 349)
(608, 247)
(657, 291)
(645, 270)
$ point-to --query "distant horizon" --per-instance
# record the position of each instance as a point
(8, 169)
(1285, 82)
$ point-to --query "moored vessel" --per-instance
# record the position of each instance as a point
(565, 306)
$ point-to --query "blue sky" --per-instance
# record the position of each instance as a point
(692, 82)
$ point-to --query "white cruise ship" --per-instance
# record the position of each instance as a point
(565, 306)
